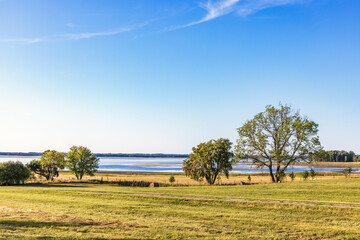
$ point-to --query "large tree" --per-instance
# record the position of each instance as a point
(49, 164)
(208, 160)
(277, 138)
(81, 161)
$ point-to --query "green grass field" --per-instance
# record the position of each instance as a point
(89, 211)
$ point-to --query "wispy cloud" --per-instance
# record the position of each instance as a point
(251, 7)
(241, 7)
(214, 10)
(70, 36)
(23, 40)
(77, 36)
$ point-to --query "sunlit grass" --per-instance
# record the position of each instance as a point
(96, 211)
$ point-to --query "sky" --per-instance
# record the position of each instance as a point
(161, 76)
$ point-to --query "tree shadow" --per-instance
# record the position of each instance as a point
(52, 185)
(16, 225)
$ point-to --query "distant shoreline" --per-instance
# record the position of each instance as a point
(107, 155)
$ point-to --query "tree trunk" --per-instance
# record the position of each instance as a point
(271, 173)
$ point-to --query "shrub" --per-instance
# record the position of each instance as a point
(280, 175)
(347, 171)
(292, 176)
(13, 173)
(134, 183)
(249, 179)
(172, 179)
(312, 173)
(305, 175)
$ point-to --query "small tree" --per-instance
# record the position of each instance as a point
(13, 173)
(305, 175)
(312, 173)
(172, 179)
(81, 161)
(48, 165)
(208, 160)
(347, 171)
(249, 179)
(292, 176)
(277, 138)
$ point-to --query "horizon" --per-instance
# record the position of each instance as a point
(162, 76)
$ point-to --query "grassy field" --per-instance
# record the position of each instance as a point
(181, 179)
(109, 211)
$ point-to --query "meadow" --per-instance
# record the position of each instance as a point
(325, 208)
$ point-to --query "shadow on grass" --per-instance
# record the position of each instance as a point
(52, 185)
(21, 225)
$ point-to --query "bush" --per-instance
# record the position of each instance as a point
(292, 176)
(13, 173)
(347, 171)
(305, 175)
(312, 173)
(172, 179)
(134, 183)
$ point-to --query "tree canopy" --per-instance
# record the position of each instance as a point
(208, 160)
(81, 161)
(49, 164)
(13, 173)
(277, 138)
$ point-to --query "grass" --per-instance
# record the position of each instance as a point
(97, 211)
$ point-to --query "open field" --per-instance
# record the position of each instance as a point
(108, 211)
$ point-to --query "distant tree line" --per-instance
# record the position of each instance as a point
(335, 156)
(132, 155)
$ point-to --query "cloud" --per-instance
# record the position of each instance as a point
(241, 7)
(70, 25)
(23, 40)
(251, 7)
(214, 10)
(71, 36)
(77, 36)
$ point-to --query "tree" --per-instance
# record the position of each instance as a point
(13, 173)
(292, 176)
(81, 161)
(277, 138)
(305, 175)
(347, 171)
(172, 179)
(208, 160)
(312, 173)
(48, 165)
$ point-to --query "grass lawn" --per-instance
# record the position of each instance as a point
(89, 211)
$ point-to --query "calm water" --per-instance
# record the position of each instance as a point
(173, 165)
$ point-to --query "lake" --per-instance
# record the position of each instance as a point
(108, 164)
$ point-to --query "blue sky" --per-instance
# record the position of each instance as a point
(164, 75)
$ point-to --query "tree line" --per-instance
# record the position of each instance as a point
(130, 155)
(335, 156)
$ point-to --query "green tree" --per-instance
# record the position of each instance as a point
(277, 138)
(347, 171)
(81, 161)
(305, 175)
(13, 173)
(48, 165)
(208, 160)
(172, 179)
(312, 173)
(292, 176)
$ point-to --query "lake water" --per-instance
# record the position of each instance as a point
(163, 165)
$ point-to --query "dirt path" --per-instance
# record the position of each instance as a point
(340, 205)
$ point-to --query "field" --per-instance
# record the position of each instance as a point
(313, 209)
